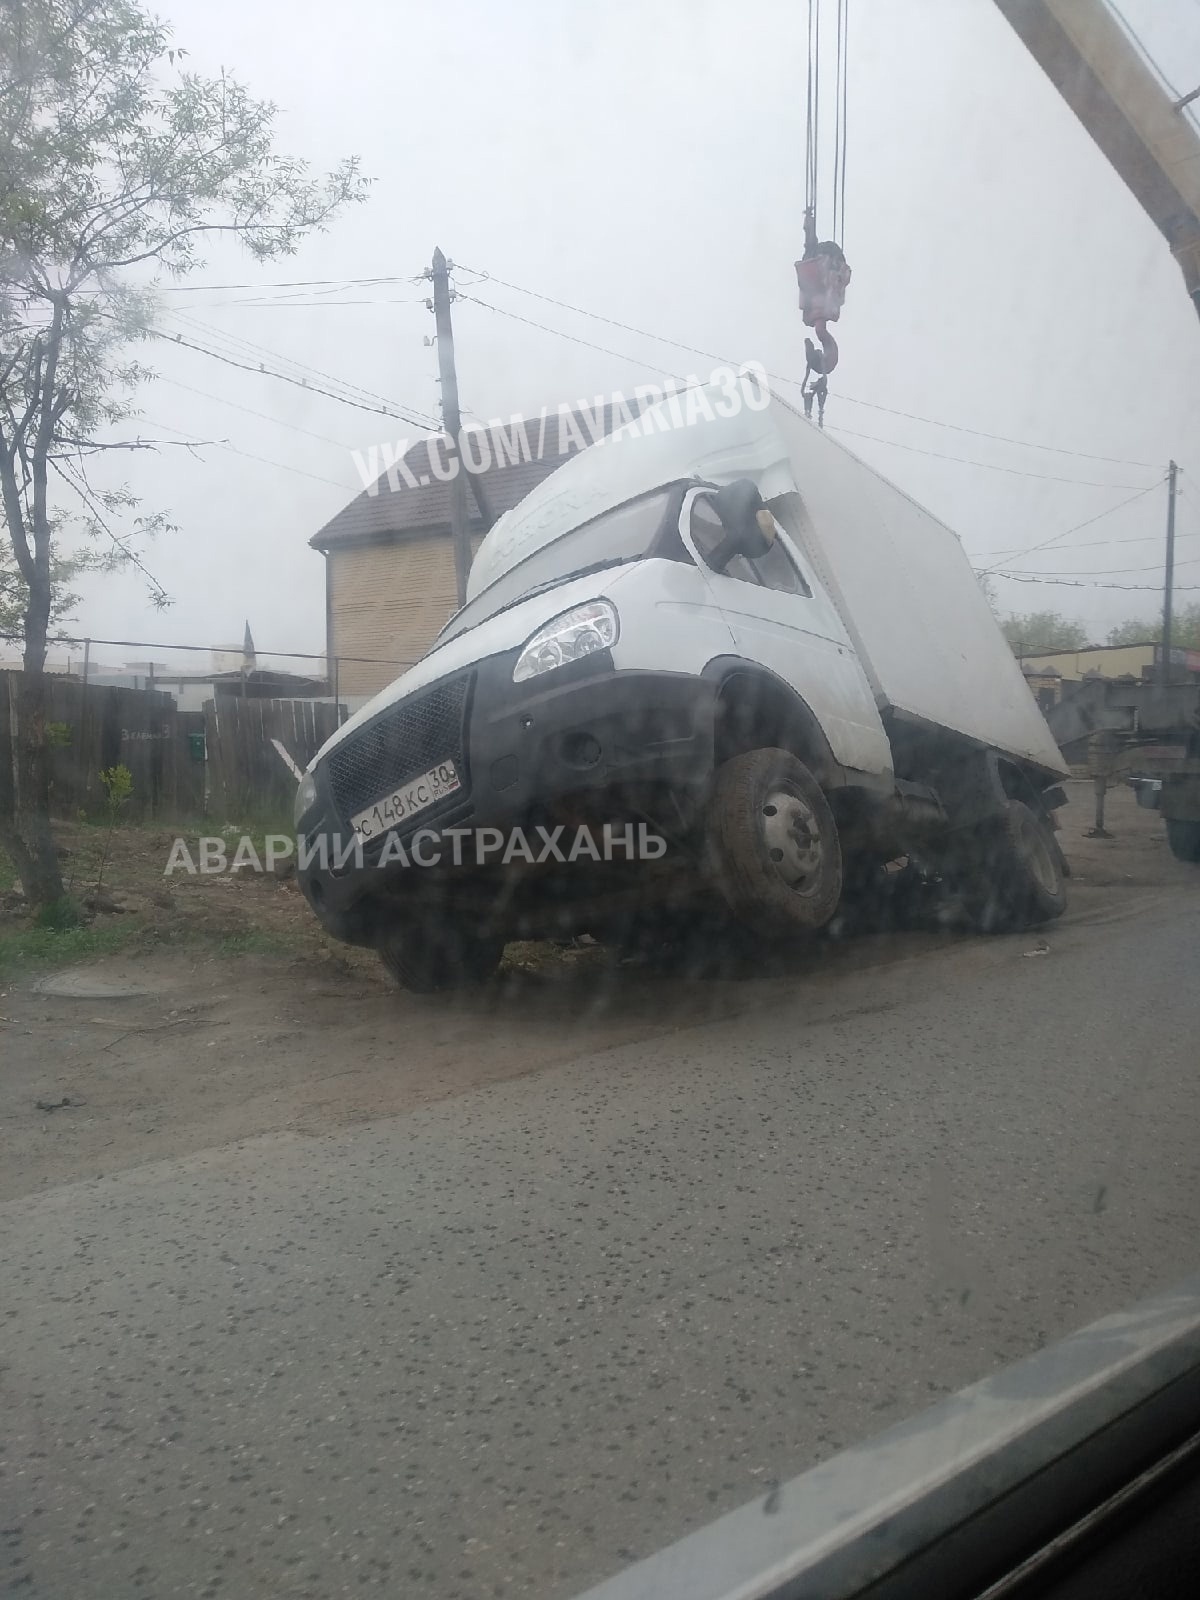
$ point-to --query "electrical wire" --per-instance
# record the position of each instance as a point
(650, 366)
(238, 344)
(1066, 583)
(710, 355)
(224, 444)
(1090, 544)
(991, 466)
(250, 411)
(287, 303)
(571, 338)
(1102, 572)
(213, 649)
(286, 283)
(1055, 538)
(299, 383)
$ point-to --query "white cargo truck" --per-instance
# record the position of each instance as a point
(713, 663)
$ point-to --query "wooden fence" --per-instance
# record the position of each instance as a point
(95, 727)
(185, 764)
(246, 772)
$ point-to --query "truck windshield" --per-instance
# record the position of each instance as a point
(629, 533)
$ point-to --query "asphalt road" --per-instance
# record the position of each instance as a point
(502, 1344)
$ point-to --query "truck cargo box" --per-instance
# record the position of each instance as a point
(919, 618)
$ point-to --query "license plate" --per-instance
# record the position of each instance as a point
(406, 801)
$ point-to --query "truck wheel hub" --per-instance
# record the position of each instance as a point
(792, 836)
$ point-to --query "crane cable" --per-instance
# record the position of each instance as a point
(822, 274)
(813, 106)
(812, 127)
(839, 139)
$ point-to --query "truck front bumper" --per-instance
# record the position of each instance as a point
(584, 742)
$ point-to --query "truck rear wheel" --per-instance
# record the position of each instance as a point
(426, 959)
(1184, 839)
(1016, 879)
(773, 843)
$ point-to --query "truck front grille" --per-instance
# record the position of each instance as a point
(400, 744)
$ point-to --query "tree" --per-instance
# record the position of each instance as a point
(14, 591)
(1042, 630)
(115, 162)
(1185, 629)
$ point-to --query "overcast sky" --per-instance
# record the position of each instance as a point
(644, 160)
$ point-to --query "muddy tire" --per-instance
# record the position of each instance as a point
(773, 843)
(1015, 879)
(1183, 837)
(425, 960)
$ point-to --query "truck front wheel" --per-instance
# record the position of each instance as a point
(426, 958)
(1016, 878)
(1183, 836)
(773, 843)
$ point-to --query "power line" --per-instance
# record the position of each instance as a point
(991, 466)
(224, 444)
(238, 344)
(1087, 522)
(286, 303)
(575, 339)
(299, 383)
(250, 411)
(1066, 583)
(1101, 572)
(1017, 472)
(218, 649)
(709, 355)
(1092, 544)
(285, 283)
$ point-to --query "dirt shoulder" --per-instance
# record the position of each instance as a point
(225, 1012)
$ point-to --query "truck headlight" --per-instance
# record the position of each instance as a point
(306, 797)
(569, 637)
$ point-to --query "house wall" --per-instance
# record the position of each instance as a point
(387, 601)
(1111, 661)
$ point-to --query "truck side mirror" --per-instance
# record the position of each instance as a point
(749, 526)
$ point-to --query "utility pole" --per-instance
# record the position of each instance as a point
(1169, 576)
(451, 421)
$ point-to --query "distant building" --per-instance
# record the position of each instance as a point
(1044, 682)
(1108, 660)
(389, 559)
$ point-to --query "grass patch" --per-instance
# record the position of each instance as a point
(52, 947)
(257, 942)
(59, 915)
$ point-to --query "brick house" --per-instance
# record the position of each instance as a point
(389, 557)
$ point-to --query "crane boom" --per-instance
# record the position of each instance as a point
(1127, 110)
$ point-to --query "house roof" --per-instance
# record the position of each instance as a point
(1086, 649)
(540, 443)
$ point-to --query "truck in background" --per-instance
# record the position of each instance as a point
(720, 627)
(1148, 733)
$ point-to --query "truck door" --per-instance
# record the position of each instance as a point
(781, 618)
